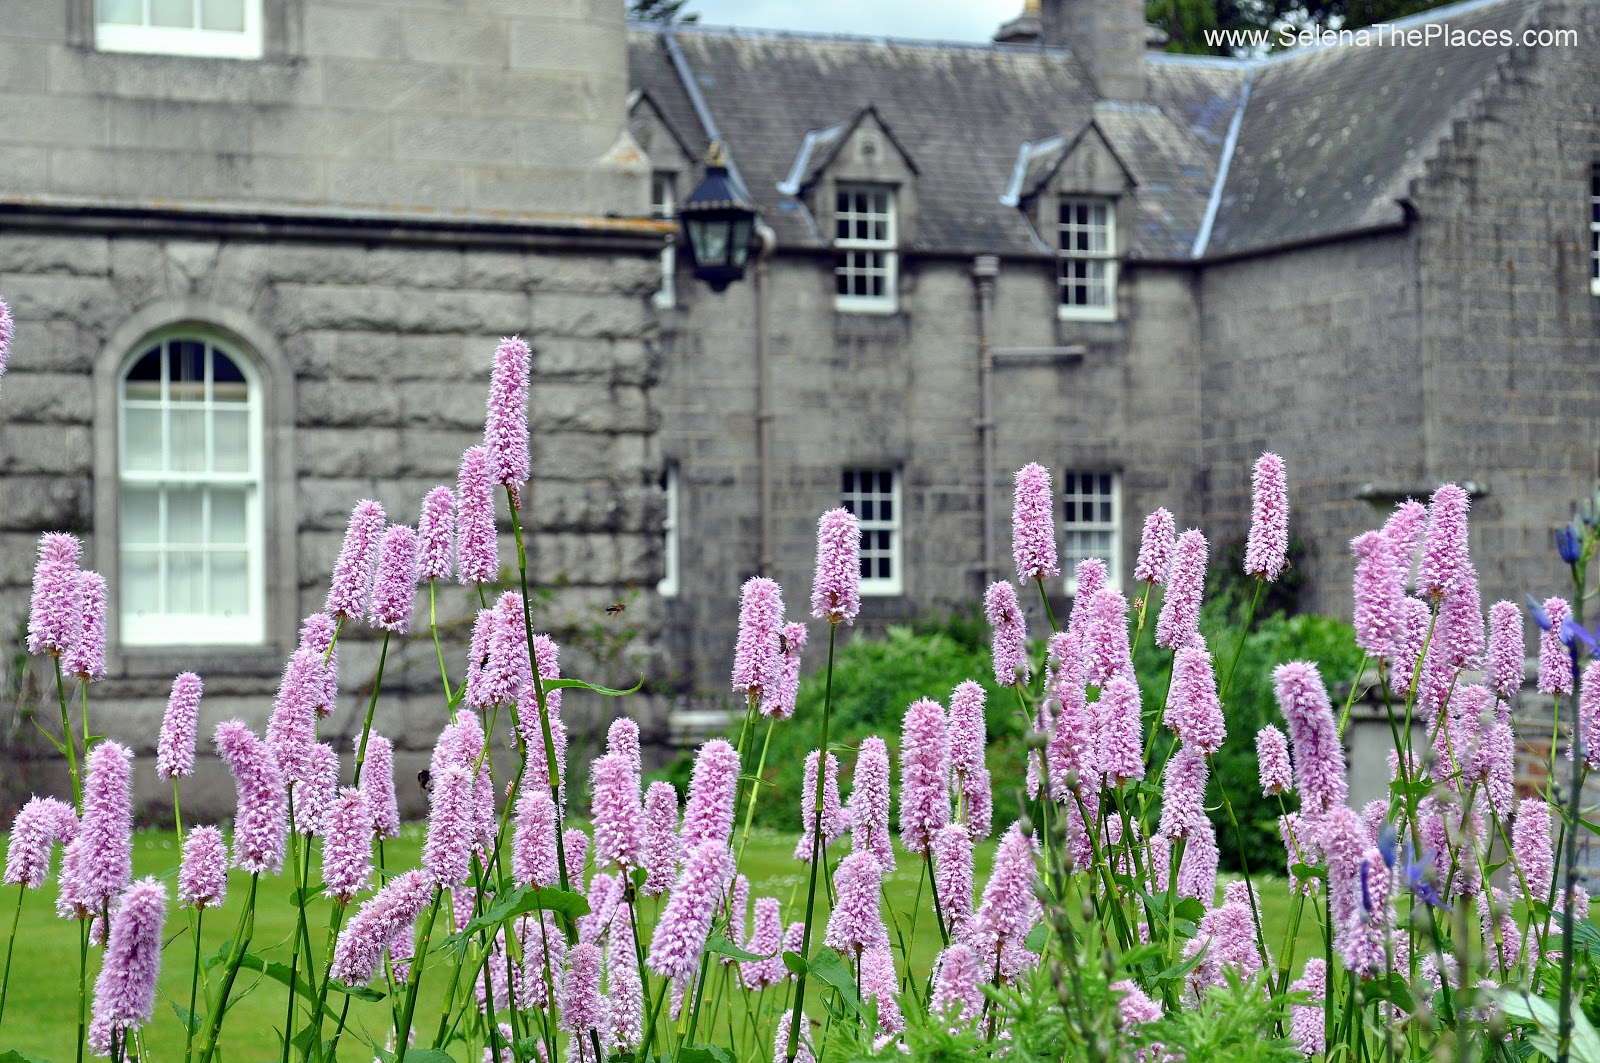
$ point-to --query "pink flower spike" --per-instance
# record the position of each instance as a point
(781, 704)
(780, 1043)
(1555, 663)
(1105, 637)
(382, 921)
(1010, 643)
(1530, 843)
(377, 783)
(924, 775)
(1416, 617)
(358, 559)
(316, 634)
(1308, 1022)
(1506, 652)
(1589, 716)
(766, 941)
(394, 591)
(533, 844)
(203, 874)
(582, 1007)
(292, 728)
(125, 992)
(878, 982)
(42, 822)
(505, 428)
(87, 657)
(1444, 563)
(575, 847)
(956, 993)
(1179, 620)
(447, 852)
(834, 823)
(680, 936)
(836, 588)
(952, 876)
(1268, 544)
(1379, 594)
(105, 838)
(660, 844)
(6, 332)
(1121, 732)
(1272, 753)
(347, 846)
(1318, 756)
(969, 771)
(757, 660)
(261, 823)
(477, 540)
(1088, 576)
(855, 923)
(623, 737)
(616, 812)
(436, 535)
(175, 747)
(56, 615)
(1155, 548)
(1197, 875)
(1193, 710)
(1183, 792)
(869, 803)
(708, 814)
(1033, 529)
(314, 795)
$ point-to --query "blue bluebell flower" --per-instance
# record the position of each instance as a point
(1568, 544)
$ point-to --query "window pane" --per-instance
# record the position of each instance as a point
(185, 517)
(225, 15)
(185, 581)
(141, 517)
(230, 441)
(227, 382)
(141, 582)
(121, 12)
(142, 440)
(172, 13)
(188, 427)
(186, 371)
(228, 515)
(230, 586)
(144, 377)
(886, 507)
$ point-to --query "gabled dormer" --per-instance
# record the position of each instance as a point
(858, 184)
(1078, 196)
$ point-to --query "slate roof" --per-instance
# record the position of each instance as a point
(1327, 143)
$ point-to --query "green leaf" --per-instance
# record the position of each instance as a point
(360, 992)
(278, 972)
(1391, 987)
(1035, 940)
(829, 969)
(723, 947)
(578, 684)
(1189, 908)
(795, 962)
(16, 1056)
(1179, 971)
(190, 1021)
(1306, 872)
(699, 1054)
(428, 1055)
(521, 901)
(1415, 788)
(311, 894)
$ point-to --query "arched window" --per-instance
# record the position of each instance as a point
(189, 495)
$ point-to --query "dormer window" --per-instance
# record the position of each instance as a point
(1086, 264)
(864, 237)
(228, 29)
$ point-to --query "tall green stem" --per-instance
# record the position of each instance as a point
(83, 982)
(816, 860)
(372, 706)
(755, 789)
(1570, 815)
(66, 736)
(241, 944)
(403, 1030)
(1244, 632)
(438, 650)
(5, 980)
(194, 986)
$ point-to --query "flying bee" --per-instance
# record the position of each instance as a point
(615, 608)
(425, 780)
(783, 643)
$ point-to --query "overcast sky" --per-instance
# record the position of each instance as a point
(946, 20)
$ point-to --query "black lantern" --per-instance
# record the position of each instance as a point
(717, 222)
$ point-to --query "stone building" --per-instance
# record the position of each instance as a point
(260, 254)
(1379, 259)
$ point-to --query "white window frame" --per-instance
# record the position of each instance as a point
(168, 629)
(668, 586)
(1102, 260)
(177, 40)
(1071, 556)
(664, 204)
(894, 583)
(1594, 229)
(848, 248)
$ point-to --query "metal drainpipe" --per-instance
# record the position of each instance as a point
(985, 268)
(767, 239)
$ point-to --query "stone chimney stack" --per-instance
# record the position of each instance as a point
(1107, 36)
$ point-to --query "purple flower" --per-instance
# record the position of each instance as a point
(680, 936)
(869, 803)
(956, 993)
(505, 428)
(105, 838)
(314, 795)
(1155, 548)
(1318, 756)
(1033, 529)
(1408, 647)
(1010, 644)
(582, 1007)
(447, 853)
(6, 332)
(125, 992)
(1589, 717)
(780, 705)
(1505, 664)
(836, 588)
(1134, 1008)
(1555, 662)
(380, 923)
(436, 535)
(1272, 753)
(1197, 875)
(1379, 592)
(394, 591)
(616, 812)
(766, 940)
(624, 991)
(292, 728)
(969, 771)
(1179, 621)
(1009, 908)
(1268, 544)
(261, 823)
(477, 542)
(623, 737)
(1308, 1022)
(1193, 710)
(855, 923)
(203, 874)
(1088, 576)
(708, 814)
(757, 660)
(1183, 792)
(1444, 565)
(1104, 637)
(175, 748)
(738, 909)
(660, 837)
(780, 1043)
(87, 657)
(1530, 844)
(952, 876)
(56, 616)
(1121, 737)
(42, 822)
(832, 814)
(377, 783)
(316, 634)
(358, 558)
(533, 842)
(347, 845)
(924, 775)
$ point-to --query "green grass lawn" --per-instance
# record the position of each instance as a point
(41, 1008)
